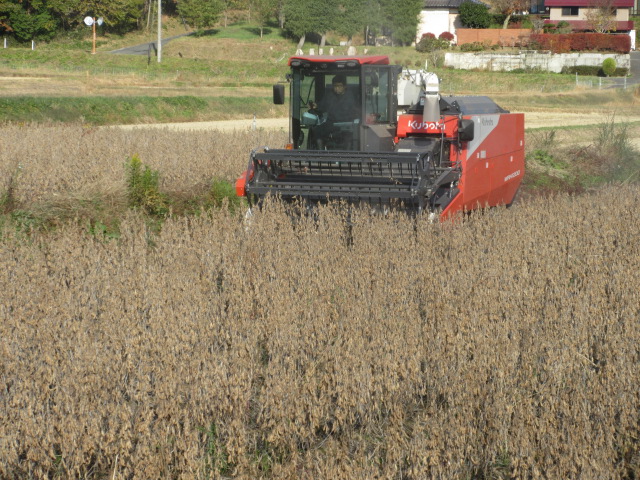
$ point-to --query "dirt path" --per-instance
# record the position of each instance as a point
(532, 120)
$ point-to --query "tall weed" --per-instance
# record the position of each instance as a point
(143, 188)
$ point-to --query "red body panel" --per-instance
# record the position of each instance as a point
(241, 183)
(409, 125)
(492, 164)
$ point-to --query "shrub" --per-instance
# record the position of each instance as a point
(593, 71)
(223, 192)
(580, 42)
(585, 70)
(429, 43)
(609, 66)
(472, 47)
(475, 15)
(448, 36)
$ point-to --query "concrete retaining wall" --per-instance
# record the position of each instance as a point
(545, 61)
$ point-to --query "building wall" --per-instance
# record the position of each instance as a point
(433, 21)
(555, 14)
(493, 36)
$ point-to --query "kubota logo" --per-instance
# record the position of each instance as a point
(415, 125)
(513, 175)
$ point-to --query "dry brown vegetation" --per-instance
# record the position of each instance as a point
(503, 346)
(67, 171)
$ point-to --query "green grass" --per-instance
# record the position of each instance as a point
(127, 110)
(198, 68)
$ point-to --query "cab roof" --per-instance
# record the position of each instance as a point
(355, 59)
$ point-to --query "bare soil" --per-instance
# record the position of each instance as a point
(533, 120)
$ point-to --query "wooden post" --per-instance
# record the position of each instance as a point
(93, 49)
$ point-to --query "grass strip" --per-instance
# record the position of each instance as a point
(127, 110)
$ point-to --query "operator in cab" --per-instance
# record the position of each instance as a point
(340, 106)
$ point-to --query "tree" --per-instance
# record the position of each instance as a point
(374, 21)
(310, 16)
(280, 13)
(601, 16)
(475, 15)
(27, 25)
(200, 13)
(352, 17)
(509, 7)
(263, 11)
(402, 18)
(120, 15)
(239, 5)
(42, 19)
(27, 20)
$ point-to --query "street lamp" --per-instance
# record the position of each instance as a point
(91, 22)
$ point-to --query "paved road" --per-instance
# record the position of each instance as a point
(633, 79)
(635, 66)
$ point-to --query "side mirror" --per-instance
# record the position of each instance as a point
(465, 130)
(278, 94)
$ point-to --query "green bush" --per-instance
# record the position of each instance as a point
(143, 189)
(593, 71)
(431, 44)
(475, 15)
(609, 66)
(223, 192)
(583, 70)
(472, 47)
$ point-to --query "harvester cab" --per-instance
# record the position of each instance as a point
(360, 116)
(362, 130)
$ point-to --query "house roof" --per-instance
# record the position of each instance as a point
(447, 3)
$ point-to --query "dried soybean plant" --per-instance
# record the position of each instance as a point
(346, 345)
(58, 165)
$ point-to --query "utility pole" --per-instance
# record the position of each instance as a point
(159, 31)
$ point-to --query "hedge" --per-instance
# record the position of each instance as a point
(580, 42)
(594, 71)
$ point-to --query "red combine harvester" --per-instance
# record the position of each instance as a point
(397, 144)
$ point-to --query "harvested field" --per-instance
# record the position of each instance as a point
(502, 346)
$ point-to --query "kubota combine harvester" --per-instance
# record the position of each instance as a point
(405, 146)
